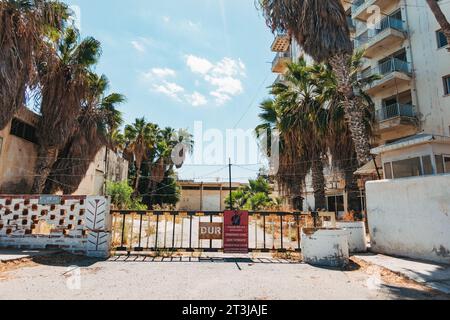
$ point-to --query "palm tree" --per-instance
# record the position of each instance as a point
(304, 113)
(338, 141)
(140, 140)
(441, 18)
(64, 81)
(24, 26)
(98, 119)
(293, 166)
(321, 28)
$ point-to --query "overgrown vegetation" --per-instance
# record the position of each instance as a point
(45, 61)
(255, 196)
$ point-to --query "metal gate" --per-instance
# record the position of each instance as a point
(140, 231)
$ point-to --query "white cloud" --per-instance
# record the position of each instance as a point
(196, 99)
(198, 65)
(229, 67)
(226, 85)
(138, 46)
(224, 76)
(142, 43)
(169, 89)
(163, 72)
(221, 98)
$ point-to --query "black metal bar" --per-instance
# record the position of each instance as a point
(190, 233)
(125, 213)
(173, 231)
(122, 248)
(264, 222)
(281, 218)
(157, 231)
(139, 248)
(210, 241)
(298, 231)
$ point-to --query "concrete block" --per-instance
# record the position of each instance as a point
(325, 247)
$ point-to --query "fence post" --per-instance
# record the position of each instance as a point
(99, 225)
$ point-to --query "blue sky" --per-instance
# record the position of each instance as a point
(182, 61)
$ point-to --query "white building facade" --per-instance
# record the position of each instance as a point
(403, 45)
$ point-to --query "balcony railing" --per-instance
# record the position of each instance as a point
(393, 65)
(387, 67)
(279, 57)
(396, 110)
(385, 23)
(280, 79)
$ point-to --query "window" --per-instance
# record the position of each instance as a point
(439, 164)
(23, 130)
(407, 168)
(446, 80)
(427, 166)
(447, 164)
(335, 204)
(441, 39)
(388, 171)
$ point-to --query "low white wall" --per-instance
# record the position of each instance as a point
(77, 224)
(411, 217)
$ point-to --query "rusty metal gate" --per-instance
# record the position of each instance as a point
(151, 231)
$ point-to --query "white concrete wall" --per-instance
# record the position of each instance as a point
(77, 224)
(411, 217)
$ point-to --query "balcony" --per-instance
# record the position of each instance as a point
(396, 121)
(361, 8)
(281, 61)
(389, 33)
(396, 110)
(279, 79)
(281, 43)
(393, 72)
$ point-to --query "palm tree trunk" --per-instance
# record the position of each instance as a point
(441, 18)
(353, 111)
(47, 157)
(138, 177)
(351, 187)
(318, 181)
(297, 199)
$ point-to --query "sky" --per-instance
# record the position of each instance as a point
(202, 65)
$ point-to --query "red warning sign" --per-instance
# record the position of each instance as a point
(235, 238)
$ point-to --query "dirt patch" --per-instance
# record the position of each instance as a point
(290, 256)
(9, 266)
(396, 279)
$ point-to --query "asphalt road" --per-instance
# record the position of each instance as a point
(203, 279)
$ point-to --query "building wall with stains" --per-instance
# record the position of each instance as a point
(18, 157)
(411, 217)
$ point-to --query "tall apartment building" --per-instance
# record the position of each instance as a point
(407, 50)
(403, 44)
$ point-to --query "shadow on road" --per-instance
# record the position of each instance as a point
(232, 260)
(404, 293)
(64, 260)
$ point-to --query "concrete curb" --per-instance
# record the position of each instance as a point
(417, 271)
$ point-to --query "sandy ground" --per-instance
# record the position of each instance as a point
(261, 278)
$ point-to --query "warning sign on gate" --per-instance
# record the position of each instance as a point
(235, 237)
